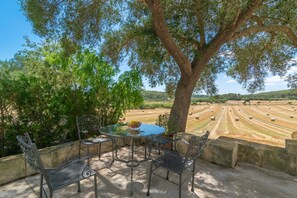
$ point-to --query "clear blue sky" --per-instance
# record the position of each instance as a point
(14, 26)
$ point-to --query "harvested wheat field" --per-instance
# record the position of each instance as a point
(270, 123)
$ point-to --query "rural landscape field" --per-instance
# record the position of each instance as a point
(263, 122)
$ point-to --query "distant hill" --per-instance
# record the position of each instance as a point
(158, 96)
(154, 96)
(274, 95)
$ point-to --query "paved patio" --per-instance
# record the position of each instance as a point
(211, 180)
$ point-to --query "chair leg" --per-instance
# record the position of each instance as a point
(51, 194)
(41, 185)
(159, 147)
(79, 148)
(95, 186)
(99, 151)
(193, 170)
(88, 155)
(180, 182)
(145, 149)
(167, 176)
(149, 181)
(78, 186)
(113, 149)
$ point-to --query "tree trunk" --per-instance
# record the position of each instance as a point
(182, 102)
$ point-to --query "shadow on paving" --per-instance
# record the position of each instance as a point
(244, 180)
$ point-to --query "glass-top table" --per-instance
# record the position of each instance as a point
(123, 131)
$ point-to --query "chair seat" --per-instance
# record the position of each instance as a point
(68, 174)
(162, 140)
(171, 161)
(95, 140)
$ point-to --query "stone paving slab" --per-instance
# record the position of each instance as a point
(211, 181)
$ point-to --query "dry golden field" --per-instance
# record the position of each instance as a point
(268, 123)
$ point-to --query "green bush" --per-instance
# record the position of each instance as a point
(49, 90)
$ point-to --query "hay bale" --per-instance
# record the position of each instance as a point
(190, 113)
(236, 118)
(197, 117)
(294, 135)
(251, 117)
(291, 116)
(273, 119)
(267, 114)
(213, 118)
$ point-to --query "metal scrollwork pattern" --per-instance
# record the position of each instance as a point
(30, 152)
(88, 125)
(196, 146)
(87, 172)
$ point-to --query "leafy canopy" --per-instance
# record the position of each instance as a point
(260, 35)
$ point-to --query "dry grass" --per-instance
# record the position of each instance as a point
(238, 121)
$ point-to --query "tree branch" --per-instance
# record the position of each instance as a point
(258, 20)
(188, 39)
(224, 35)
(200, 21)
(252, 30)
(162, 31)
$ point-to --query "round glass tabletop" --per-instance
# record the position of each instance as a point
(122, 130)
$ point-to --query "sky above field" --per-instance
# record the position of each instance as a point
(15, 26)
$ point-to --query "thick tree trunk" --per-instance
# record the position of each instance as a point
(182, 102)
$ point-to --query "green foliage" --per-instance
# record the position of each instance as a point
(155, 105)
(180, 44)
(273, 95)
(44, 96)
(154, 96)
(127, 29)
(292, 81)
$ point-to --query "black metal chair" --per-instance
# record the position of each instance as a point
(171, 131)
(177, 163)
(88, 128)
(59, 177)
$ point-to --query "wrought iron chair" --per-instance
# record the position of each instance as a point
(170, 129)
(177, 163)
(88, 128)
(59, 177)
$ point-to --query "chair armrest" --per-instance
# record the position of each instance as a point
(68, 163)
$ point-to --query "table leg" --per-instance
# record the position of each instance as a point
(132, 165)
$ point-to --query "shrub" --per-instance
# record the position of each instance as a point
(44, 96)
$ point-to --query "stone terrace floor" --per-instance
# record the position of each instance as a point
(244, 180)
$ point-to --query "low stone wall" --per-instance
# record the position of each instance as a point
(14, 167)
(228, 152)
(222, 151)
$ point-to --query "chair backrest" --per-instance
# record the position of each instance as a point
(171, 126)
(196, 146)
(88, 125)
(30, 152)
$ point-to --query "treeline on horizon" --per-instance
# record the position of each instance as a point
(156, 96)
